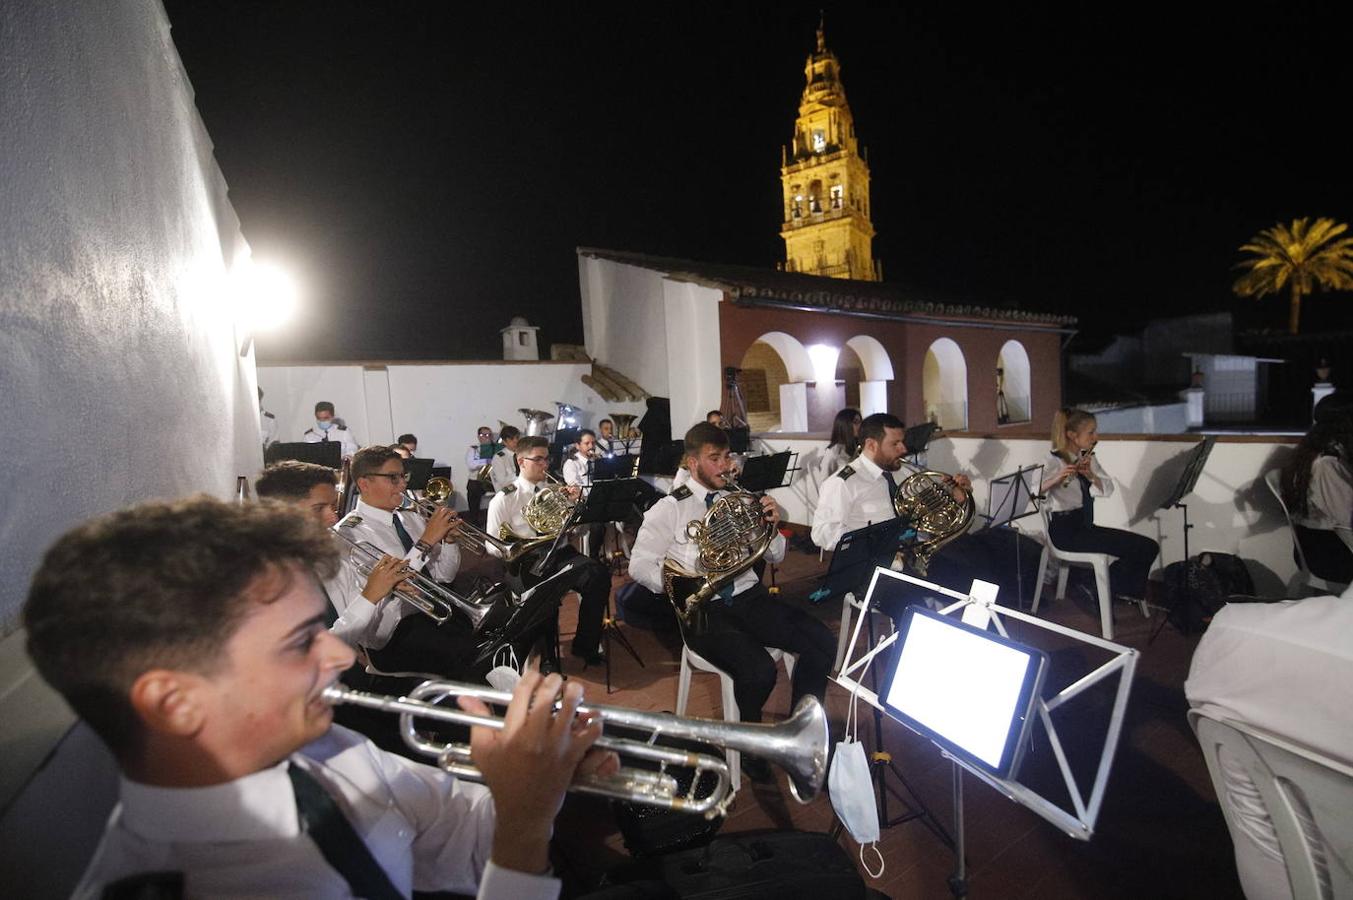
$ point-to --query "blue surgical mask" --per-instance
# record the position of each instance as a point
(325, 425)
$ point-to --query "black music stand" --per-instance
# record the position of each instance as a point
(609, 468)
(612, 501)
(1013, 497)
(765, 473)
(917, 438)
(321, 453)
(739, 438)
(1188, 480)
(663, 459)
(419, 472)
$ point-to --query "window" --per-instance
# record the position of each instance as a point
(819, 141)
(837, 193)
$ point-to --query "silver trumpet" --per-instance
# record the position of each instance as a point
(429, 597)
(798, 745)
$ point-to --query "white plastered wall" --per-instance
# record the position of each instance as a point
(120, 373)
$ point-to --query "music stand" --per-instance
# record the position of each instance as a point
(1011, 498)
(739, 438)
(1188, 480)
(321, 453)
(609, 468)
(662, 460)
(419, 472)
(612, 501)
(765, 473)
(917, 438)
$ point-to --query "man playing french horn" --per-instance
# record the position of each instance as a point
(743, 619)
(588, 577)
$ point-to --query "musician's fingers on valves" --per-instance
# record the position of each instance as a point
(386, 575)
(772, 509)
(440, 524)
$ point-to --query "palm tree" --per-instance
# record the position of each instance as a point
(1303, 257)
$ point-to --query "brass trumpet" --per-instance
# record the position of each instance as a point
(798, 745)
(429, 597)
(508, 546)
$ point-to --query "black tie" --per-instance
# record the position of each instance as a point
(330, 611)
(892, 485)
(331, 831)
(404, 537)
(1087, 502)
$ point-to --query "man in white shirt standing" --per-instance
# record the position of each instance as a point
(743, 621)
(234, 782)
(504, 470)
(479, 455)
(588, 577)
(327, 428)
(397, 636)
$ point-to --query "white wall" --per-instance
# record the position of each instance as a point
(1232, 511)
(120, 377)
(442, 403)
(692, 333)
(625, 320)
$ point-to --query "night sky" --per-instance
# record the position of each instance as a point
(426, 170)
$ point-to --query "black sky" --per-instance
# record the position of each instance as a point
(428, 168)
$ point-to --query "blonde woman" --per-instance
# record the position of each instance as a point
(1073, 479)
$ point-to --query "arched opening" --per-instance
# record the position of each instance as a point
(944, 385)
(871, 393)
(1014, 401)
(850, 370)
(774, 360)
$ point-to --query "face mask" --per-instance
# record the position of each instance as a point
(852, 793)
(326, 425)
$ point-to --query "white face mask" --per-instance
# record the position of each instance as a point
(852, 793)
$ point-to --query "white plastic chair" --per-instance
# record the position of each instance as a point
(1064, 560)
(694, 662)
(1289, 810)
(1320, 585)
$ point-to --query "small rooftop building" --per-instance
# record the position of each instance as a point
(519, 340)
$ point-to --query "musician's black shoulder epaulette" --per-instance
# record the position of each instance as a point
(846, 472)
(310, 431)
(268, 415)
(501, 453)
(510, 488)
(350, 520)
(146, 886)
(681, 493)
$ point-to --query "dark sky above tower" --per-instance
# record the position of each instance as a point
(426, 169)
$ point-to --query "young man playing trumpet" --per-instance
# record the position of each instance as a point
(747, 619)
(190, 636)
(588, 577)
(395, 634)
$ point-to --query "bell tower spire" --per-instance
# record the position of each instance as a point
(825, 179)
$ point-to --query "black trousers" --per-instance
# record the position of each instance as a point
(1135, 552)
(1326, 554)
(737, 638)
(421, 645)
(592, 581)
(474, 495)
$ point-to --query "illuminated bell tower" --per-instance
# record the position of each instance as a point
(826, 181)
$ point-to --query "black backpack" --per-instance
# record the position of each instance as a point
(1212, 579)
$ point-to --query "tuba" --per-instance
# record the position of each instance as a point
(927, 503)
(537, 422)
(798, 745)
(732, 536)
(624, 425)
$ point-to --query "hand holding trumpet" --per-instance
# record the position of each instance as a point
(442, 524)
(386, 575)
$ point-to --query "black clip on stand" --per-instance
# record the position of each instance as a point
(1188, 480)
(856, 556)
(1013, 497)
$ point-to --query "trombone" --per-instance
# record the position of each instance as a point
(798, 745)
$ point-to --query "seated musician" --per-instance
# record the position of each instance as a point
(327, 428)
(504, 469)
(1072, 479)
(1317, 488)
(578, 473)
(396, 635)
(588, 577)
(190, 637)
(742, 624)
(479, 455)
(607, 439)
(861, 493)
(409, 442)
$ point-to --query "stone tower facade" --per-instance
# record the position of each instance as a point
(826, 227)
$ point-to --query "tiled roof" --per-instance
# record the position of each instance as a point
(748, 285)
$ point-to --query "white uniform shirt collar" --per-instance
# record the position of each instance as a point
(867, 467)
(260, 806)
(526, 487)
(371, 513)
(699, 491)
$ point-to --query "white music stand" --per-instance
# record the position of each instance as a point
(977, 608)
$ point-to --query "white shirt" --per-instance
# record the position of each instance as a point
(578, 471)
(510, 506)
(473, 461)
(336, 433)
(361, 622)
(504, 470)
(663, 536)
(831, 461)
(1329, 501)
(1066, 495)
(428, 830)
(847, 502)
(1283, 667)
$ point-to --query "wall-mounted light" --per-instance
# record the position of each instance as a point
(264, 298)
(824, 359)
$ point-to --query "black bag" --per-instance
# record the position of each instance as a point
(1212, 579)
(650, 830)
(752, 865)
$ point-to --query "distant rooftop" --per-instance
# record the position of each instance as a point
(751, 286)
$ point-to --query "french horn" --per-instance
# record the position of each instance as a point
(926, 500)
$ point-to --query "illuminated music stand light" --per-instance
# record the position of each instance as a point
(977, 609)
